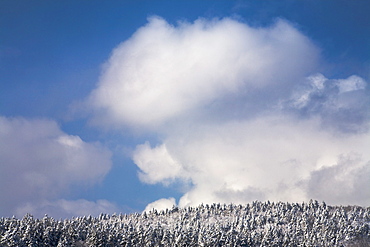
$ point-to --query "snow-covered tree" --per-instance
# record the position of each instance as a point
(255, 224)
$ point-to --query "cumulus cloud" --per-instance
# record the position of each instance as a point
(164, 72)
(270, 158)
(40, 162)
(161, 204)
(241, 113)
(150, 160)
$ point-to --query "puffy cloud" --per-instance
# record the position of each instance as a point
(161, 204)
(240, 113)
(38, 162)
(164, 72)
(151, 160)
(269, 158)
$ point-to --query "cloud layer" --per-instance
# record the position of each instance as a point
(40, 163)
(242, 113)
(62, 208)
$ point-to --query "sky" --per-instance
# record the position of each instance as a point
(125, 106)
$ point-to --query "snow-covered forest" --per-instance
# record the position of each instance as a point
(254, 224)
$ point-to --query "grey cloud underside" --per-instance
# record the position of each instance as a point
(242, 112)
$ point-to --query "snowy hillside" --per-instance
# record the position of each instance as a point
(255, 224)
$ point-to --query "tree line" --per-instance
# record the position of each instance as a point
(254, 224)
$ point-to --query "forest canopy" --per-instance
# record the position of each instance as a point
(254, 224)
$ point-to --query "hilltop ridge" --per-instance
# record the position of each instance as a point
(254, 224)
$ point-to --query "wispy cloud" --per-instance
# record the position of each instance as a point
(341, 104)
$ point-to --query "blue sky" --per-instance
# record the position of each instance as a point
(120, 106)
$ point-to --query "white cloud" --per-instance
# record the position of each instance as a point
(38, 162)
(240, 114)
(150, 160)
(352, 83)
(270, 158)
(161, 204)
(164, 72)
